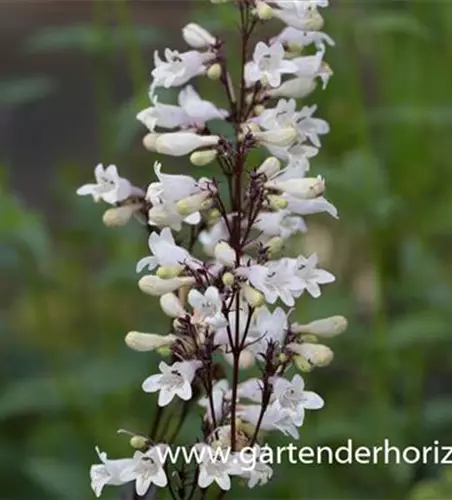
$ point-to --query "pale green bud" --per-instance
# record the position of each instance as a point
(277, 202)
(138, 442)
(274, 245)
(143, 342)
(153, 285)
(201, 158)
(263, 11)
(194, 203)
(227, 279)
(166, 272)
(315, 354)
(214, 72)
(119, 216)
(326, 327)
(252, 296)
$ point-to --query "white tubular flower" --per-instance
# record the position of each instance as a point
(177, 68)
(312, 206)
(326, 327)
(221, 394)
(109, 187)
(295, 88)
(207, 307)
(172, 306)
(183, 143)
(274, 419)
(108, 472)
(307, 188)
(225, 254)
(119, 216)
(145, 342)
(212, 236)
(153, 285)
(292, 396)
(280, 223)
(253, 468)
(266, 327)
(166, 253)
(315, 354)
(299, 38)
(268, 65)
(214, 467)
(311, 277)
(191, 112)
(275, 280)
(270, 167)
(175, 380)
(281, 137)
(197, 37)
(300, 14)
(146, 469)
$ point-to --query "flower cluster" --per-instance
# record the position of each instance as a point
(222, 306)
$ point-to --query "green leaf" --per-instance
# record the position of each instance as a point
(17, 91)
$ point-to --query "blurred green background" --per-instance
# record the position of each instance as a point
(73, 76)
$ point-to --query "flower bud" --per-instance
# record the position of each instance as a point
(225, 254)
(295, 88)
(153, 285)
(274, 245)
(214, 72)
(302, 364)
(143, 342)
(194, 203)
(326, 327)
(166, 272)
(158, 215)
(277, 202)
(279, 137)
(182, 143)
(164, 351)
(197, 37)
(314, 21)
(270, 167)
(227, 279)
(138, 442)
(172, 306)
(149, 141)
(119, 216)
(305, 189)
(315, 354)
(213, 215)
(258, 109)
(201, 158)
(252, 297)
(263, 11)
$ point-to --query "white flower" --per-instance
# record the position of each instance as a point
(312, 206)
(182, 143)
(197, 37)
(300, 14)
(292, 396)
(109, 187)
(292, 36)
(172, 306)
(108, 472)
(311, 277)
(153, 285)
(280, 223)
(213, 467)
(268, 65)
(225, 254)
(275, 280)
(221, 393)
(191, 112)
(207, 307)
(175, 380)
(266, 327)
(314, 354)
(325, 327)
(212, 236)
(165, 194)
(177, 68)
(165, 253)
(253, 468)
(274, 418)
(146, 469)
(144, 342)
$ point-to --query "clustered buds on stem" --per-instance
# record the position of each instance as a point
(223, 304)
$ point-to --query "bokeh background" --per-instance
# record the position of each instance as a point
(73, 75)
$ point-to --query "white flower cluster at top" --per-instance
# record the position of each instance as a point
(221, 304)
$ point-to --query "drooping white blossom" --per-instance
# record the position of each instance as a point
(108, 472)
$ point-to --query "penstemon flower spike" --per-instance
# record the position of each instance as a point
(236, 301)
